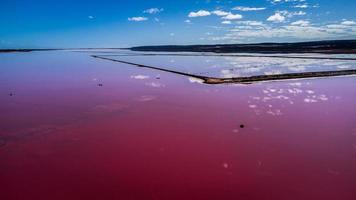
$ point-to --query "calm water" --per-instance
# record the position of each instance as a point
(75, 127)
(234, 66)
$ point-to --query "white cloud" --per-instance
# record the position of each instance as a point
(336, 26)
(291, 14)
(153, 10)
(137, 19)
(242, 8)
(226, 22)
(286, 1)
(301, 6)
(251, 23)
(301, 29)
(347, 23)
(276, 18)
(289, 31)
(300, 23)
(231, 16)
(200, 13)
(91, 17)
(281, 16)
(220, 13)
(300, 13)
(188, 21)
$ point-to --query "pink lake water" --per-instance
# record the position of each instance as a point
(76, 127)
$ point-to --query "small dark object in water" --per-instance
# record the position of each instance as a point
(11, 94)
(158, 77)
(100, 85)
(242, 126)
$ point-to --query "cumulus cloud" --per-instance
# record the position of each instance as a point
(348, 23)
(226, 22)
(137, 19)
(300, 23)
(231, 16)
(251, 23)
(281, 16)
(301, 6)
(301, 29)
(226, 16)
(200, 13)
(299, 13)
(285, 31)
(291, 14)
(276, 18)
(285, 1)
(336, 26)
(153, 10)
(242, 8)
(220, 13)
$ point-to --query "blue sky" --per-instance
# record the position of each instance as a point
(124, 23)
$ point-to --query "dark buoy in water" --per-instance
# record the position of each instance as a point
(11, 94)
(100, 85)
(242, 126)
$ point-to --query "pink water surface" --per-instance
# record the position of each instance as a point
(145, 134)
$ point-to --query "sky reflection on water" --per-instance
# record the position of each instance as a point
(83, 128)
(229, 67)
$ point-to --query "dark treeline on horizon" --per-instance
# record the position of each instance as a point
(330, 46)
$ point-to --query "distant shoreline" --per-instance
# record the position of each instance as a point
(59, 49)
(323, 47)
